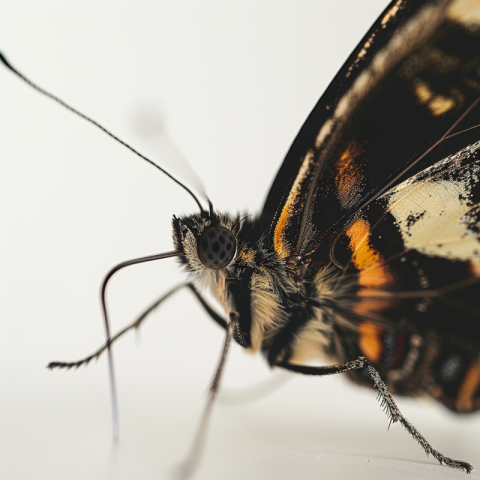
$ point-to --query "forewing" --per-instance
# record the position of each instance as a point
(382, 183)
(408, 85)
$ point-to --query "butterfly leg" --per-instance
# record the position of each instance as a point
(214, 315)
(387, 402)
(136, 324)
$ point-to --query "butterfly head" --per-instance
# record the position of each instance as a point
(232, 258)
(208, 244)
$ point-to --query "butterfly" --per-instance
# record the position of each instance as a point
(366, 250)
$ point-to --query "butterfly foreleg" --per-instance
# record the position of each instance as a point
(136, 324)
(387, 402)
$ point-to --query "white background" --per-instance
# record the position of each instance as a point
(231, 82)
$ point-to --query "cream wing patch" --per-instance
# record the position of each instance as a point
(464, 11)
(435, 211)
(430, 220)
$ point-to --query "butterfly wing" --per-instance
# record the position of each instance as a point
(382, 182)
(405, 87)
(415, 255)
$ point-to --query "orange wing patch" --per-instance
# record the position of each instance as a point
(468, 388)
(281, 245)
(349, 176)
(373, 272)
(371, 341)
(280, 241)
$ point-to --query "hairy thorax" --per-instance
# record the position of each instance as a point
(279, 312)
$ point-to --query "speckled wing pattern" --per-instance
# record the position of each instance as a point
(382, 182)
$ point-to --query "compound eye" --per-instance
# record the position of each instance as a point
(216, 247)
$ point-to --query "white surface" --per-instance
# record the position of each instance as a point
(233, 82)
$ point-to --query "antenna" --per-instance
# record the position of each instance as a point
(93, 122)
(109, 341)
